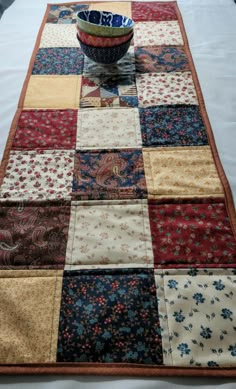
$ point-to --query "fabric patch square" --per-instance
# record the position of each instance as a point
(182, 172)
(59, 35)
(53, 92)
(200, 319)
(191, 235)
(125, 66)
(30, 307)
(172, 126)
(157, 34)
(109, 174)
(63, 14)
(35, 175)
(109, 233)
(108, 128)
(46, 129)
(160, 59)
(114, 317)
(109, 91)
(59, 60)
(121, 8)
(153, 11)
(33, 235)
(165, 88)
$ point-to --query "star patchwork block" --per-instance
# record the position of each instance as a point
(65, 14)
(172, 125)
(33, 235)
(46, 129)
(191, 235)
(108, 128)
(155, 11)
(109, 234)
(165, 89)
(103, 318)
(109, 174)
(109, 91)
(33, 175)
(157, 34)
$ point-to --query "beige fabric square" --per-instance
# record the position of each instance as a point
(108, 128)
(53, 92)
(181, 172)
(59, 35)
(29, 315)
(165, 88)
(122, 8)
(109, 234)
(157, 34)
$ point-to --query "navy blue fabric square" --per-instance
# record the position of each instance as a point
(109, 316)
(172, 125)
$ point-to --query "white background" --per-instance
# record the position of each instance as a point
(211, 30)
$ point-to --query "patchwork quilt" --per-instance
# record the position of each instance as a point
(117, 224)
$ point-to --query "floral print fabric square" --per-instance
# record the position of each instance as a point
(108, 128)
(65, 14)
(191, 235)
(57, 60)
(33, 235)
(153, 11)
(157, 34)
(200, 319)
(166, 125)
(32, 175)
(109, 316)
(59, 35)
(29, 312)
(181, 172)
(109, 174)
(109, 234)
(165, 88)
(105, 91)
(46, 129)
(160, 59)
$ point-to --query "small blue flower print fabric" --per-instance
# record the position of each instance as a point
(172, 125)
(197, 317)
(59, 60)
(109, 316)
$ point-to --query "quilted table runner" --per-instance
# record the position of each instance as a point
(117, 224)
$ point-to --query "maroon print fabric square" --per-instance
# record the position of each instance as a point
(151, 11)
(46, 129)
(193, 235)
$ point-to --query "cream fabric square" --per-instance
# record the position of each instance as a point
(33, 175)
(53, 92)
(181, 172)
(157, 34)
(197, 317)
(29, 315)
(108, 128)
(122, 8)
(59, 35)
(109, 234)
(165, 88)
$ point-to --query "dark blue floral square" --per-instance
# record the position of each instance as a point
(109, 316)
(59, 60)
(179, 125)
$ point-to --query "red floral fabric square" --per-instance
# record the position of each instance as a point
(33, 234)
(46, 129)
(191, 235)
(153, 11)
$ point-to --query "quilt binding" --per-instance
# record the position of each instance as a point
(123, 369)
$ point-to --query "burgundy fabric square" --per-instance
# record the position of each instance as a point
(151, 11)
(193, 235)
(46, 129)
(33, 234)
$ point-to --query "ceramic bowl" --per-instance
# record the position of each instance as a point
(101, 41)
(105, 55)
(104, 23)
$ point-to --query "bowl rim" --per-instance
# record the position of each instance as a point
(107, 48)
(101, 26)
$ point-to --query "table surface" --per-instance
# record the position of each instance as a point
(210, 26)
